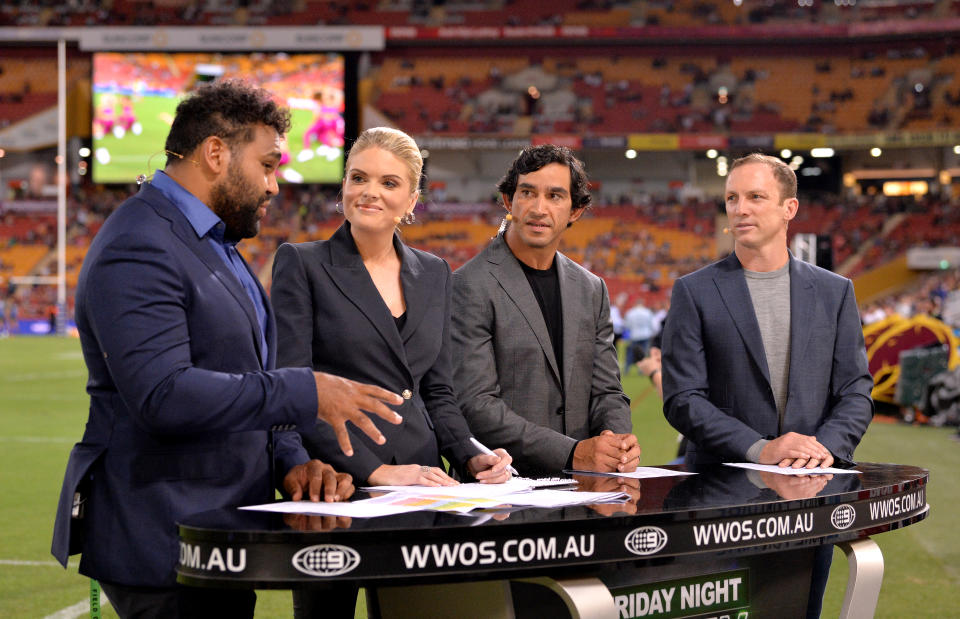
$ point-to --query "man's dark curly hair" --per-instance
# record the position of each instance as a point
(227, 109)
(532, 158)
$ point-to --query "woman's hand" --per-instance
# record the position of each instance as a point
(410, 475)
(490, 469)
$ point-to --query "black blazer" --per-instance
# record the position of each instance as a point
(331, 317)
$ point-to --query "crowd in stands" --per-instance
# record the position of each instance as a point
(926, 296)
(585, 93)
(478, 13)
(639, 248)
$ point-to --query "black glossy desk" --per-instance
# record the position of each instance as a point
(715, 544)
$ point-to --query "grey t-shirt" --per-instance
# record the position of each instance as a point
(770, 294)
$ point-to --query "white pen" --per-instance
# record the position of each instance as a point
(486, 450)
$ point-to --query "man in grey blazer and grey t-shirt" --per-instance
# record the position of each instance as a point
(534, 364)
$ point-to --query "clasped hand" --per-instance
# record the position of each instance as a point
(607, 452)
(796, 451)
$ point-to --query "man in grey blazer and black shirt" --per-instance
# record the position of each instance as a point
(534, 364)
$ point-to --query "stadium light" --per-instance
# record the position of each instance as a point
(875, 152)
(712, 153)
(821, 152)
(956, 150)
(630, 154)
(785, 153)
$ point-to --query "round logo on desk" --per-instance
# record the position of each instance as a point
(326, 560)
(843, 516)
(645, 540)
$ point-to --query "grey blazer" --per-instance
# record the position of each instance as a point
(505, 373)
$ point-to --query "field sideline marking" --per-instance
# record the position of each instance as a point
(79, 609)
(31, 563)
(20, 378)
(37, 439)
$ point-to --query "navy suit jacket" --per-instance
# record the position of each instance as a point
(716, 383)
(331, 317)
(182, 407)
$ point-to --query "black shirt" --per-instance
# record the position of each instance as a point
(546, 288)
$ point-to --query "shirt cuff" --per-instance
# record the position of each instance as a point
(753, 454)
(569, 466)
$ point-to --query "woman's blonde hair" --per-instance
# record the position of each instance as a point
(395, 142)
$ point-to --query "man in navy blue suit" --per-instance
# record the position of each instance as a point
(763, 354)
(187, 412)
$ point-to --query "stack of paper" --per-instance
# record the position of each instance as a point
(641, 472)
(461, 499)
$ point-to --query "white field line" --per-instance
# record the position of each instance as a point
(37, 439)
(80, 609)
(18, 562)
(33, 376)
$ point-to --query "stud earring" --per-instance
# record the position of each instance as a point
(509, 217)
(397, 220)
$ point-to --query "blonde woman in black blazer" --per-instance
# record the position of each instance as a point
(366, 307)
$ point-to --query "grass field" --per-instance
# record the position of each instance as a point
(43, 410)
(129, 155)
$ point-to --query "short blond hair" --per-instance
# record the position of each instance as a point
(395, 142)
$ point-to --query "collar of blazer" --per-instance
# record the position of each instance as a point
(805, 308)
(181, 227)
(509, 274)
(349, 274)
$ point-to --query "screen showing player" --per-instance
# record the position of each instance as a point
(135, 96)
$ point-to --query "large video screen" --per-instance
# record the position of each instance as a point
(135, 96)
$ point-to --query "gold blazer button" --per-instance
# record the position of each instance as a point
(407, 394)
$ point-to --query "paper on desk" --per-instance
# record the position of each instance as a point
(437, 499)
(386, 505)
(642, 472)
(786, 470)
(355, 509)
(562, 498)
(476, 490)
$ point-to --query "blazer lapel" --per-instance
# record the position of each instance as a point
(348, 273)
(507, 271)
(418, 293)
(732, 286)
(804, 311)
(571, 306)
(271, 335)
(208, 255)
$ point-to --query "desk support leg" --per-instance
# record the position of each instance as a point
(469, 600)
(585, 598)
(864, 579)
